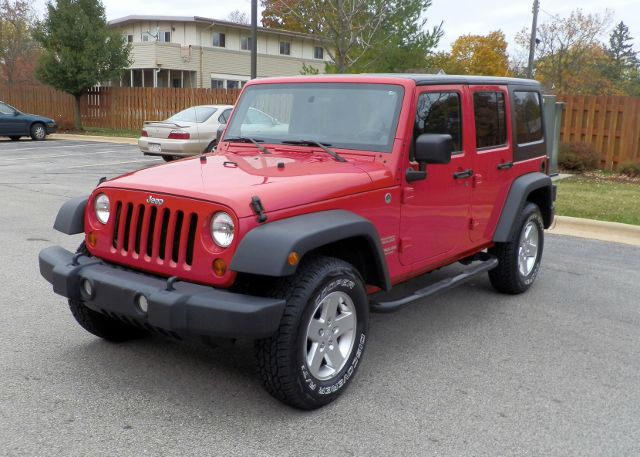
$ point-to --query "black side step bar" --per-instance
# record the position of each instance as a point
(449, 283)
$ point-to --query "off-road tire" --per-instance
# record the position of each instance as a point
(14, 138)
(506, 277)
(38, 132)
(103, 326)
(281, 359)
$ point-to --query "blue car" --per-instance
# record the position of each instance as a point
(16, 124)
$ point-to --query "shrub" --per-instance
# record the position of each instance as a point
(631, 169)
(578, 157)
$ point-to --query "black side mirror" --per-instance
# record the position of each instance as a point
(433, 148)
(16, 113)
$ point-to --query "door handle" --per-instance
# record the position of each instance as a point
(505, 165)
(463, 174)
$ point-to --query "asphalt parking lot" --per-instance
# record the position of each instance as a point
(555, 371)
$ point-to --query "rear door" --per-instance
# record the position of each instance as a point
(493, 161)
(435, 211)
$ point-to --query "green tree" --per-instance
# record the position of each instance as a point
(79, 50)
(623, 67)
(16, 41)
(360, 35)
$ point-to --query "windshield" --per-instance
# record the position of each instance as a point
(197, 114)
(341, 115)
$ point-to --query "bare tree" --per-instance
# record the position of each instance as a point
(239, 17)
(17, 20)
(565, 44)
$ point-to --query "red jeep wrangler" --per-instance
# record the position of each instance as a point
(323, 190)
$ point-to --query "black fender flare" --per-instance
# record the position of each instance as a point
(70, 218)
(521, 188)
(265, 249)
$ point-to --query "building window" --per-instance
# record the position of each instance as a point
(285, 48)
(217, 83)
(219, 40)
(528, 117)
(318, 52)
(439, 112)
(129, 38)
(164, 37)
(145, 37)
(234, 84)
(490, 116)
(245, 43)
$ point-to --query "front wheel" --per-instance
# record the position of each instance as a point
(38, 132)
(519, 258)
(316, 351)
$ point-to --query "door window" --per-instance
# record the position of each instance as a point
(528, 117)
(490, 116)
(439, 112)
(5, 109)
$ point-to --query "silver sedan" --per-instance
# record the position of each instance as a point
(189, 132)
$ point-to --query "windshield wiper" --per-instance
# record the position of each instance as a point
(322, 146)
(246, 139)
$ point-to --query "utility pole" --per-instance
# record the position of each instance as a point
(532, 43)
(254, 39)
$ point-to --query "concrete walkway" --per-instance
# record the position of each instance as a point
(596, 230)
(96, 138)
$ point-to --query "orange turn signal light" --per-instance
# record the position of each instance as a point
(219, 267)
(293, 258)
(92, 239)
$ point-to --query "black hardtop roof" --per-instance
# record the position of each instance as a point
(427, 79)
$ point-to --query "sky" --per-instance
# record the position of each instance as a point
(459, 16)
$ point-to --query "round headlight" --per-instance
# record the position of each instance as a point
(101, 206)
(222, 229)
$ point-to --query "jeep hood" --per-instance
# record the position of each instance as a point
(281, 181)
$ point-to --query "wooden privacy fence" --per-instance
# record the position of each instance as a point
(112, 107)
(127, 108)
(610, 124)
(41, 100)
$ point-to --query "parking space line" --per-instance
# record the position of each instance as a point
(45, 146)
(113, 163)
(82, 154)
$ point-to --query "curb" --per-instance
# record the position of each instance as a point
(597, 230)
(97, 139)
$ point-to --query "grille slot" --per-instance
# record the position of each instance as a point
(152, 234)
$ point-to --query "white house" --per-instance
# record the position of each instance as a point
(170, 51)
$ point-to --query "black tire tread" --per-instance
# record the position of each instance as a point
(504, 277)
(271, 353)
(103, 326)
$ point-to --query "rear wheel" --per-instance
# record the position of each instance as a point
(212, 146)
(38, 132)
(519, 258)
(318, 346)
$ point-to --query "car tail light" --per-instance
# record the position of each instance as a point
(179, 135)
(144, 133)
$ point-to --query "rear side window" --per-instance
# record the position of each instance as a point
(490, 116)
(528, 111)
(439, 112)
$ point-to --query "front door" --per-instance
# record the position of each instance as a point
(435, 211)
(10, 123)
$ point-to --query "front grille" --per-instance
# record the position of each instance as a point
(154, 234)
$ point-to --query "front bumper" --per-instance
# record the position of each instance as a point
(188, 309)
